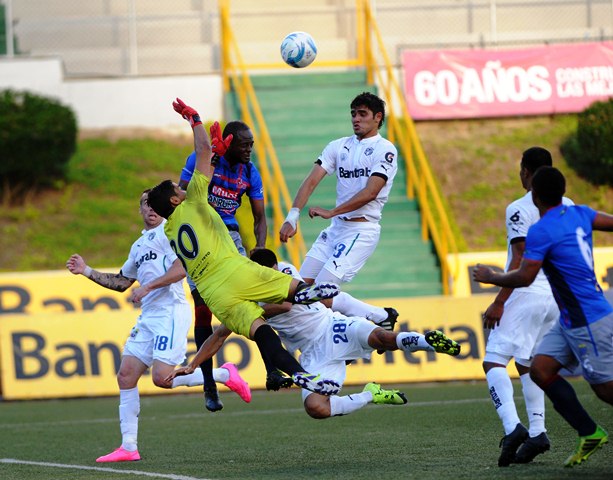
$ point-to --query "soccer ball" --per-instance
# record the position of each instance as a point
(298, 49)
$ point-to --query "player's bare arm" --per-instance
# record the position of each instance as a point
(112, 281)
(273, 309)
(259, 222)
(603, 221)
(209, 348)
(174, 274)
(493, 314)
(289, 227)
(367, 194)
(520, 277)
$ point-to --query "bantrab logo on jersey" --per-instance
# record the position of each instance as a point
(355, 173)
(151, 255)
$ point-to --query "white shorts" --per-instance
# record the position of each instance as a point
(344, 338)
(160, 334)
(342, 250)
(527, 317)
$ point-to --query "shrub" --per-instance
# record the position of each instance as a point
(590, 150)
(37, 138)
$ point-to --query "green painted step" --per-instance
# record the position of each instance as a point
(303, 113)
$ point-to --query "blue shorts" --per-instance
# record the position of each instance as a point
(591, 347)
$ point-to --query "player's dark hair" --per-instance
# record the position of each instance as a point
(535, 158)
(234, 127)
(159, 198)
(264, 257)
(549, 185)
(372, 102)
(145, 191)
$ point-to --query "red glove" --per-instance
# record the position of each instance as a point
(219, 145)
(188, 113)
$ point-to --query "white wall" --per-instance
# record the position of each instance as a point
(116, 102)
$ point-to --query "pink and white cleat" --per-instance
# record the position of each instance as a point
(236, 383)
(119, 455)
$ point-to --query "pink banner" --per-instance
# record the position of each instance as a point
(444, 84)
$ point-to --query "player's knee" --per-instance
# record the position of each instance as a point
(317, 407)
(126, 379)
(159, 379)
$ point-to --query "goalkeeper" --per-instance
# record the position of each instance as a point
(327, 340)
(230, 284)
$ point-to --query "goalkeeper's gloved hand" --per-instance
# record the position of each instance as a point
(188, 113)
(219, 145)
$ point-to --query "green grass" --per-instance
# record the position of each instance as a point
(448, 430)
(95, 211)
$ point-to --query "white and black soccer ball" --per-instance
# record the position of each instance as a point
(298, 49)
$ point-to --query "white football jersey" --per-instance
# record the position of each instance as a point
(354, 162)
(150, 257)
(520, 216)
(303, 324)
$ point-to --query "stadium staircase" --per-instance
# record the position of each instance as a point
(305, 111)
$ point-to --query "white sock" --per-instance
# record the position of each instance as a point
(501, 391)
(129, 408)
(220, 375)
(349, 403)
(535, 405)
(352, 307)
(412, 342)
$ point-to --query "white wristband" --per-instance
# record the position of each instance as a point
(292, 217)
(88, 271)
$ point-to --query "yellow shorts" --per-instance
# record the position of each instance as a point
(233, 295)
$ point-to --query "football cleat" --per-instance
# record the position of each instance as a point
(119, 455)
(442, 343)
(510, 443)
(587, 445)
(531, 448)
(316, 292)
(390, 322)
(236, 383)
(211, 400)
(275, 380)
(316, 384)
(385, 397)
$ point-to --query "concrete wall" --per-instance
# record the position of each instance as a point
(116, 102)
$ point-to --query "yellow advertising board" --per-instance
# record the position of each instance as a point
(74, 354)
(464, 285)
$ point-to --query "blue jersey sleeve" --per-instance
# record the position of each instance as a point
(538, 243)
(256, 190)
(190, 166)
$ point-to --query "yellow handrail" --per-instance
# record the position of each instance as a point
(420, 180)
(234, 73)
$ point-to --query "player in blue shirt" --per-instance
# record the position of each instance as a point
(234, 177)
(561, 243)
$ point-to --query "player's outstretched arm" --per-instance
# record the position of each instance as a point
(603, 221)
(520, 277)
(174, 274)
(112, 281)
(290, 226)
(202, 146)
(209, 348)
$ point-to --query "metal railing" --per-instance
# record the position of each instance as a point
(420, 180)
(236, 76)
(401, 131)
